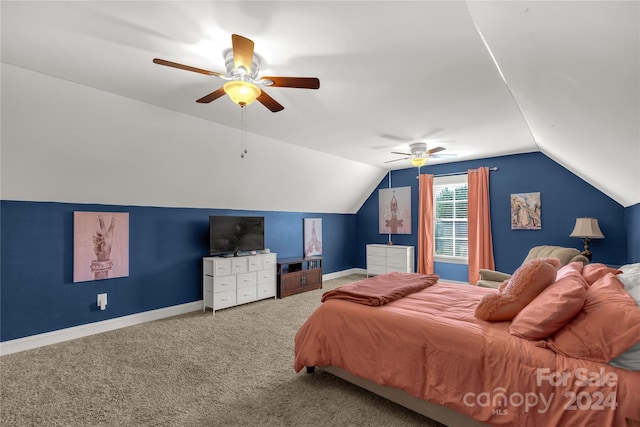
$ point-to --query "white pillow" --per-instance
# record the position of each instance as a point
(630, 268)
(630, 280)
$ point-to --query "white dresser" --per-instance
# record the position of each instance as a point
(232, 281)
(386, 258)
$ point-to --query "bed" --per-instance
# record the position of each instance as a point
(428, 351)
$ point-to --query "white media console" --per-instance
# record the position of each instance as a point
(227, 282)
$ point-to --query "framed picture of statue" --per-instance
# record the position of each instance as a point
(100, 245)
(312, 236)
(526, 211)
(394, 210)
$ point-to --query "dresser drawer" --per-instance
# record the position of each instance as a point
(255, 263)
(377, 251)
(247, 279)
(246, 294)
(376, 260)
(397, 262)
(224, 299)
(376, 269)
(221, 267)
(268, 261)
(266, 276)
(239, 265)
(267, 290)
(225, 283)
(397, 252)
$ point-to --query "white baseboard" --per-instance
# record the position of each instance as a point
(343, 273)
(53, 337)
(48, 338)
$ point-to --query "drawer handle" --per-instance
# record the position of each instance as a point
(225, 299)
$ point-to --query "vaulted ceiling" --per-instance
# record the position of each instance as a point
(479, 78)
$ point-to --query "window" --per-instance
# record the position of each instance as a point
(450, 194)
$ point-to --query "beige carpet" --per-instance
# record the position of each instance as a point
(231, 369)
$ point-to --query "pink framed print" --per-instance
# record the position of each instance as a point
(100, 245)
(394, 210)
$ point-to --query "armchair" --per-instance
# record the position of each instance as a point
(493, 279)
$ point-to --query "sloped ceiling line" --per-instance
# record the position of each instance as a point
(502, 76)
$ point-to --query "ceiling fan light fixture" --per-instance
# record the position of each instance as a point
(418, 161)
(242, 92)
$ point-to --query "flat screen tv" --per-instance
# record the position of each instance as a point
(235, 234)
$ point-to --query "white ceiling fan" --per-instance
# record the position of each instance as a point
(419, 154)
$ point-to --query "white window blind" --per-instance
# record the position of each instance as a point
(450, 196)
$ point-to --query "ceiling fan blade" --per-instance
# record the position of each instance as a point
(396, 160)
(212, 96)
(402, 154)
(435, 150)
(242, 52)
(444, 156)
(186, 67)
(297, 82)
(269, 102)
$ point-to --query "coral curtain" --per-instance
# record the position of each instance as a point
(479, 223)
(425, 225)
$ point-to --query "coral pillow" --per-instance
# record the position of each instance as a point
(552, 309)
(593, 272)
(572, 266)
(607, 325)
(513, 295)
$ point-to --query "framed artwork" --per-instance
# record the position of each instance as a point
(100, 245)
(394, 211)
(312, 236)
(525, 211)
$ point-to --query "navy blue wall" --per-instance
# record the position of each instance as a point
(37, 293)
(564, 197)
(632, 221)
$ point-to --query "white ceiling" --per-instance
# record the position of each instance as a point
(391, 72)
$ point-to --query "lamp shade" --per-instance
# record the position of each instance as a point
(587, 228)
(241, 92)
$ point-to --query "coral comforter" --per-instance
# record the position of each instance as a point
(430, 345)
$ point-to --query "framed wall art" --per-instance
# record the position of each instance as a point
(526, 211)
(312, 236)
(100, 245)
(394, 210)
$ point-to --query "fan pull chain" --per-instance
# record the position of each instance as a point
(244, 132)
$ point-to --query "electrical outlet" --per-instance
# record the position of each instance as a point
(102, 301)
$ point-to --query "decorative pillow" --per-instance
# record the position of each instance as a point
(607, 325)
(513, 295)
(552, 309)
(572, 266)
(592, 272)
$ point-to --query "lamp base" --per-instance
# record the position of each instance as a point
(587, 253)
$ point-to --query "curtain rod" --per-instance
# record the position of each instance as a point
(495, 168)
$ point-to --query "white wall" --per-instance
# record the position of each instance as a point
(70, 143)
